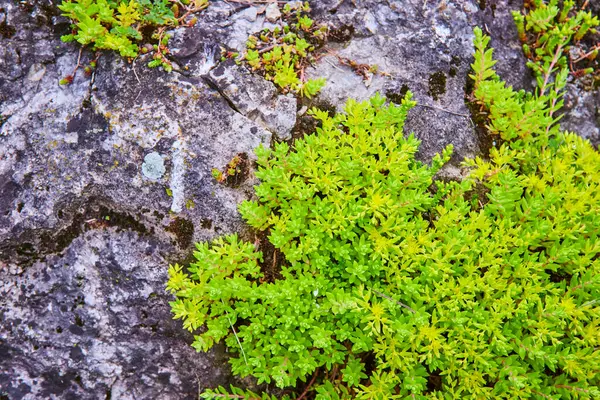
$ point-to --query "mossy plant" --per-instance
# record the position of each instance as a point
(552, 33)
(118, 26)
(394, 285)
(391, 277)
(437, 85)
(235, 172)
(281, 54)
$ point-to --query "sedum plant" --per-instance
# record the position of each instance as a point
(328, 233)
(552, 32)
(237, 393)
(282, 54)
(119, 25)
(387, 283)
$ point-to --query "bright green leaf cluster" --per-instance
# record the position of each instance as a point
(236, 393)
(311, 87)
(390, 284)
(281, 54)
(117, 25)
(547, 30)
(514, 115)
(109, 25)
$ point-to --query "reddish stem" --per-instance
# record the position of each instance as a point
(309, 385)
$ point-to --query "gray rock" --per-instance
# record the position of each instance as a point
(94, 323)
(71, 172)
(272, 12)
(255, 98)
(582, 113)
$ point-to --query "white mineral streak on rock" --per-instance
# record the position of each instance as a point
(177, 185)
(209, 54)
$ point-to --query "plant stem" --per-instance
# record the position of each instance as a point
(309, 385)
(547, 74)
(235, 333)
(395, 301)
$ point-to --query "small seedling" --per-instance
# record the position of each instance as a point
(189, 204)
(282, 54)
(233, 168)
(218, 175)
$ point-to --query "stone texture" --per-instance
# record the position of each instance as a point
(272, 12)
(71, 161)
(97, 325)
(582, 113)
(86, 237)
(255, 98)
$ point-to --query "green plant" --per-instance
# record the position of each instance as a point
(233, 171)
(218, 175)
(118, 25)
(237, 393)
(551, 33)
(386, 283)
(282, 54)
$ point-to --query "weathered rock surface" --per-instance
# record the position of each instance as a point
(582, 113)
(72, 173)
(97, 325)
(249, 94)
(105, 182)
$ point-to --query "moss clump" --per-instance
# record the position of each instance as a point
(236, 171)
(437, 85)
(397, 97)
(183, 229)
(7, 31)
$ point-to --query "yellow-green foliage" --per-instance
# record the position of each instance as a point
(117, 25)
(547, 30)
(282, 54)
(399, 286)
